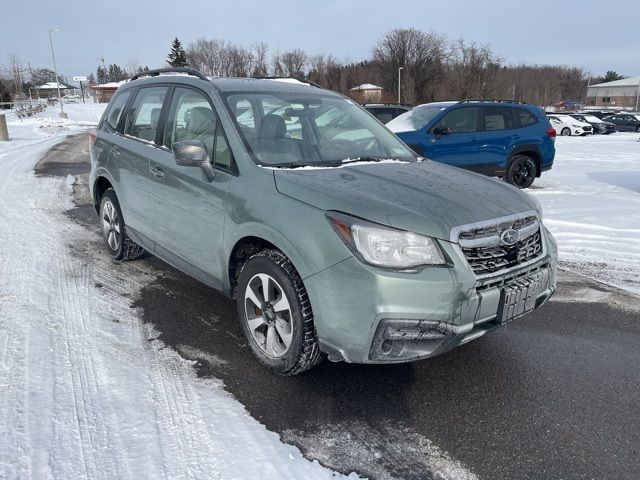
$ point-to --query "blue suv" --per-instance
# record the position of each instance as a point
(507, 139)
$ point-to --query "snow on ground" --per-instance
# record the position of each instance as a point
(47, 125)
(591, 202)
(85, 391)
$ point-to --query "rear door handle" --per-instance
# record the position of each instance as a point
(115, 152)
(157, 171)
(515, 137)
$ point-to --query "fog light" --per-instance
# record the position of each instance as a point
(402, 340)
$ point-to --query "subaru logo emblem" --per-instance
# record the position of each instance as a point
(509, 237)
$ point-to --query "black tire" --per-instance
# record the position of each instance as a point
(303, 351)
(638, 129)
(565, 132)
(118, 243)
(522, 171)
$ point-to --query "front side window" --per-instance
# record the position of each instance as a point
(460, 120)
(144, 114)
(497, 118)
(190, 118)
(115, 109)
(285, 128)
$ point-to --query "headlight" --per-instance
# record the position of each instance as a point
(385, 247)
(577, 126)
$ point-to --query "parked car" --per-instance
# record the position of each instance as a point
(566, 125)
(597, 113)
(338, 241)
(385, 112)
(598, 126)
(507, 139)
(625, 122)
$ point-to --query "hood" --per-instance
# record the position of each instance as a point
(426, 197)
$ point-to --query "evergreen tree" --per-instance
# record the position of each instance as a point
(177, 56)
(101, 75)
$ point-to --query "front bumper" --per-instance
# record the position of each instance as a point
(368, 315)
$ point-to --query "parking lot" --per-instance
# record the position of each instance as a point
(554, 395)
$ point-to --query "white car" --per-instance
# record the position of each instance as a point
(566, 125)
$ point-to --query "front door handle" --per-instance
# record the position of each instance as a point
(115, 152)
(515, 137)
(157, 171)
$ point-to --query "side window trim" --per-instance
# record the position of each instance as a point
(125, 112)
(232, 167)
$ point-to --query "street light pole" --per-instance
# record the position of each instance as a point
(55, 70)
(399, 70)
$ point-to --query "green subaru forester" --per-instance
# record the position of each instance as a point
(333, 237)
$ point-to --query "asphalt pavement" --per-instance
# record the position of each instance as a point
(554, 395)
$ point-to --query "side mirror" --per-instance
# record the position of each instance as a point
(193, 153)
(441, 131)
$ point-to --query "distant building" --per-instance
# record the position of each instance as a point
(619, 93)
(367, 93)
(50, 90)
(104, 91)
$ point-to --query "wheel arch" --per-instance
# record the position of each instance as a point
(247, 245)
(100, 185)
(530, 150)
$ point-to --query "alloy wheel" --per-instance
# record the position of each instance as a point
(111, 225)
(268, 315)
(522, 173)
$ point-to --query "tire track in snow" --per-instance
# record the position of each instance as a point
(85, 391)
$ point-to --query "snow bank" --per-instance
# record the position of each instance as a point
(591, 202)
(47, 125)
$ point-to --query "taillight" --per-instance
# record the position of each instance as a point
(551, 132)
(92, 137)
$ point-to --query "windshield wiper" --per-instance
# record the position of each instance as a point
(303, 164)
(369, 159)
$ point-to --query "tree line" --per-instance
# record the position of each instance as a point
(433, 67)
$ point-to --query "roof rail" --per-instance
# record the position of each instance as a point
(492, 100)
(158, 71)
(300, 79)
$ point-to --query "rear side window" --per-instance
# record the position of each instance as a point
(144, 114)
(460, 120)
(497, 118)
(115, 109)
(525, 117)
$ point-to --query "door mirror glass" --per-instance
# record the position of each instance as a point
(193, 153)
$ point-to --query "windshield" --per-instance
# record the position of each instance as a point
(295, 129)
(418, 117)
(592, 119)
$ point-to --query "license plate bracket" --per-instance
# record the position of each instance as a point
(518, 298)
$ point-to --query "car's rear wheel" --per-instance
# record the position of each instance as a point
(114, 231)
(565, 132)
(275, 314)
(522, 171)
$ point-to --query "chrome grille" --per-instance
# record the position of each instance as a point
(493, 259)
(486, 252)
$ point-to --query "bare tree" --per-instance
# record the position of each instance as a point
(470, 67)
(293, 63)
(420, 54)
(260, 61)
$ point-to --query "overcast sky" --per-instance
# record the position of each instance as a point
(519, 31)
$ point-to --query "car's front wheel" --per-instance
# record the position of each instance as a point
(114, 231)
(565, 132)
(638, 129)
(275, 314)
(522, 171)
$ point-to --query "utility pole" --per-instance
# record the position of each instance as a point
(399, 70)
(55, 70)
(104, 70)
